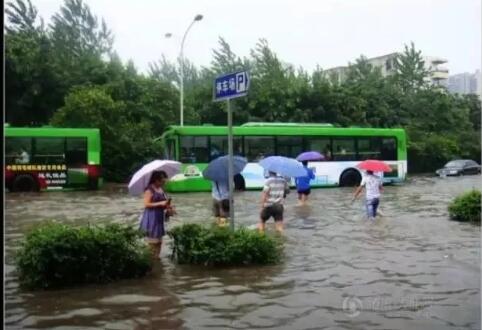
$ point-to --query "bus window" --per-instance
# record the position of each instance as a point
(258, 147)
(76, 151)
(194, 149)
(49, 150)
(344, 149)
(389, 149)
(289, 146)
(322, 145)
(368, 148)
(18, 150)
(219, 146)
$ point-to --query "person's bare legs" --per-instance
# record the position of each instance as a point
(279, 226)
(304, 199)
(158, 249)
(155, 249)
(261, 226)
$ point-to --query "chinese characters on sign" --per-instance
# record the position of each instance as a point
(231, 85)
(55, 174)
(16, 168)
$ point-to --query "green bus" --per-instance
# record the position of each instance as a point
(343, 148)
(47, 158)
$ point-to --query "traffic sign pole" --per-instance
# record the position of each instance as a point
(227, 87)
(230, 165)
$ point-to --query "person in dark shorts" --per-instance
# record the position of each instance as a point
(272, 201)
(303, 184)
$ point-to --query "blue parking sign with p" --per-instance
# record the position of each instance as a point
(230, 86)
(240, 82)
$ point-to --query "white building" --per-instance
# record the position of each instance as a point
(438, 74)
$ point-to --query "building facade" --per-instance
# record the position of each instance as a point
(465, 83)
(438, 74)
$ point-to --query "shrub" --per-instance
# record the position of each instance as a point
(197, 244)
(466, 207)
(56, 255)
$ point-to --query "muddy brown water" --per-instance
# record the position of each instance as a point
(412, 269)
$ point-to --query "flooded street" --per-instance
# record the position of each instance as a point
(412, 269)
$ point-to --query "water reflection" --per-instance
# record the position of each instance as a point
(410, 269)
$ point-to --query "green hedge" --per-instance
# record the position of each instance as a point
(466, 207)
(214, 245)
(55, 255)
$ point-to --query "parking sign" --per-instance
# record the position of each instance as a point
(230, 86)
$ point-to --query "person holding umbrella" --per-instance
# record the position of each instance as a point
(275, 187)
(220, 194)
(150, 181)
(303, 184)
(372, 184)
(157, 208)
(217, 172)
(272, 199)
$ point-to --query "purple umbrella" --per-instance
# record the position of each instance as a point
(310, 156)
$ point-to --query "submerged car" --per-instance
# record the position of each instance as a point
(459, 167)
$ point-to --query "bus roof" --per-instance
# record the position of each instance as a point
(261, 124)
(51, 132)
(280, 129)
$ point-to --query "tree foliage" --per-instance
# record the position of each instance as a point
(69, 74)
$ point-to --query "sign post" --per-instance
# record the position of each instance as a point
(227, 87)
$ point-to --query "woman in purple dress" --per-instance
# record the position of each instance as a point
(156, 203)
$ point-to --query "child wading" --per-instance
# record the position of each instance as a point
(373, 185)
(274, 192)
(303, 184)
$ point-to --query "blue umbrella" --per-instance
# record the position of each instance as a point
(217, 170)
(283, 166)
(310, 156)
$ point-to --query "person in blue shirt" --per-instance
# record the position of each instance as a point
(303, 184)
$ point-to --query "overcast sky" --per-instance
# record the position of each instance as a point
(302, 32)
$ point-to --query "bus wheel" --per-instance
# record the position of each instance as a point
(24, 182)
(239, 183)
(350, 178)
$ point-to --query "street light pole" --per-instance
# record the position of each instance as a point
(181, 57)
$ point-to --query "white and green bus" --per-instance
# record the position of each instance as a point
(343, 148)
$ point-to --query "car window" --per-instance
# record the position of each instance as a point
(455, 163)
(470, 163)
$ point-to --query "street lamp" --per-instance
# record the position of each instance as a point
(181, 57)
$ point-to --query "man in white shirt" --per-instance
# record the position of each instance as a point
(24, 157)
(273, 195)
(373, 185)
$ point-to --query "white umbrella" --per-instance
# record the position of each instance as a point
(140, 179)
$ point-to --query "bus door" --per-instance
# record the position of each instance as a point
(76, 161)
(170, 149)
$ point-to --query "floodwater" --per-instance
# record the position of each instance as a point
(412, 269)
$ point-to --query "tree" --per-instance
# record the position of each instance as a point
(21, 17)
(76, 32)
(410, 72)
(126, 144)
(225, 60)
(30, 82)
